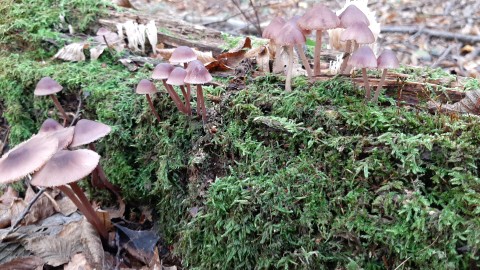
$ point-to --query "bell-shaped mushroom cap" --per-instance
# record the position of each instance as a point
(66, 167)
(87, 131)
(182, 54)
(358, 32)
(177, 76)
(363, 58)
(273, 29)
(320, 17)
(26, 158)
(352, 15)
(47, 86)
(290, 34)
(162, 71)
(145, 87)
(387, 59)
(197, 73)
(64, 136)
(49, 125)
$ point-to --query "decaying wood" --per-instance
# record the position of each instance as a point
(172, 32)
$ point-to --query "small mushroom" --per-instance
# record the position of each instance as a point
(177, 77)
(386, 60)
(182, 55)
(51, 128)
(63, 170)
(272, 31)
(146, 87)
(364, 58)
(198, 74)
(161, 72)
(290, 35)
(319, 18)
(48, 87)
(358, 33)
(26, 158)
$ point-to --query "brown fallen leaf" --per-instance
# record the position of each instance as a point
(78, 262)
(124, 3)
(262, 56)
(72, 52)
(470, 104)
(65, 206)
(140, 244)
(24, 263)
(41, 209)
(11, 207)
(8, 196)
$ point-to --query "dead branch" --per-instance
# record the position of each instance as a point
(429, 32)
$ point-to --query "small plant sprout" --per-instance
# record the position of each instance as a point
(63, 170)
(48, 87)
(319, 18)
(386, 60)
(198, 74)
(364, 58)
(26, 158)
(147, 88)
(177, 77)
(291, 35)
(271, 32)
(161, 72)
(182, 55)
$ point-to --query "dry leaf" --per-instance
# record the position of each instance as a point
(78, 262)
(245, 44)
(8, 196)
(96, 51)
(469, 104)
(139, 244)
(41, 209)
(24, 263)
(124, 3)
(76, 237)
(65, 206)
(262, 56)
(155, 263)
(72, 52)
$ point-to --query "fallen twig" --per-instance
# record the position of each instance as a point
(430, 32)
(79, 108)
(25, 211)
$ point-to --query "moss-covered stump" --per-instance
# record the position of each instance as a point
(313, 179)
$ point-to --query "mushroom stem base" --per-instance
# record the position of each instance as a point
(379, 87)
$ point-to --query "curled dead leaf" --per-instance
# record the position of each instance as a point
(24, 263)
(72, 52)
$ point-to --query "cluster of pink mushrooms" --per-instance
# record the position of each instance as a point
(54, 158)
(192, 72)
(357, 35)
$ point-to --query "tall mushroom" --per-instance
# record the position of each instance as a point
(146, 87)
(364, 58)
(182, 55)
(198, 74)
(271, 32)
(48, 87)
(290, 35)
(386, 60)
(319, 18)
(161, 72)
(177, 77)
(62, 171)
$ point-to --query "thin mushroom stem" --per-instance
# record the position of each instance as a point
(348, 48)
(99, 174)
(367, 85)
(187, 100)
(380, 85)
(150, 104)
(93, 219)
(201, 103)
(288, 82)
(304, 60)
(174, 96)
(278, 54)
(318, 49)
(60, 109)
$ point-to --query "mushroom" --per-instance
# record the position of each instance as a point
(161, 72)
(290, 35)
(359, 33)
(364, 58)
(272, 31)
(146, 87)
(177, 77)
(26, 158)
(182, 55)
(52, 128)
(48, 87)
(87, 132)
(387, 59)
(62, 171)
(318, 18)
(198, 74)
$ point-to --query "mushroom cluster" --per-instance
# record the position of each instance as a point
(50, 158)
(191, 71)
(351, 32)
